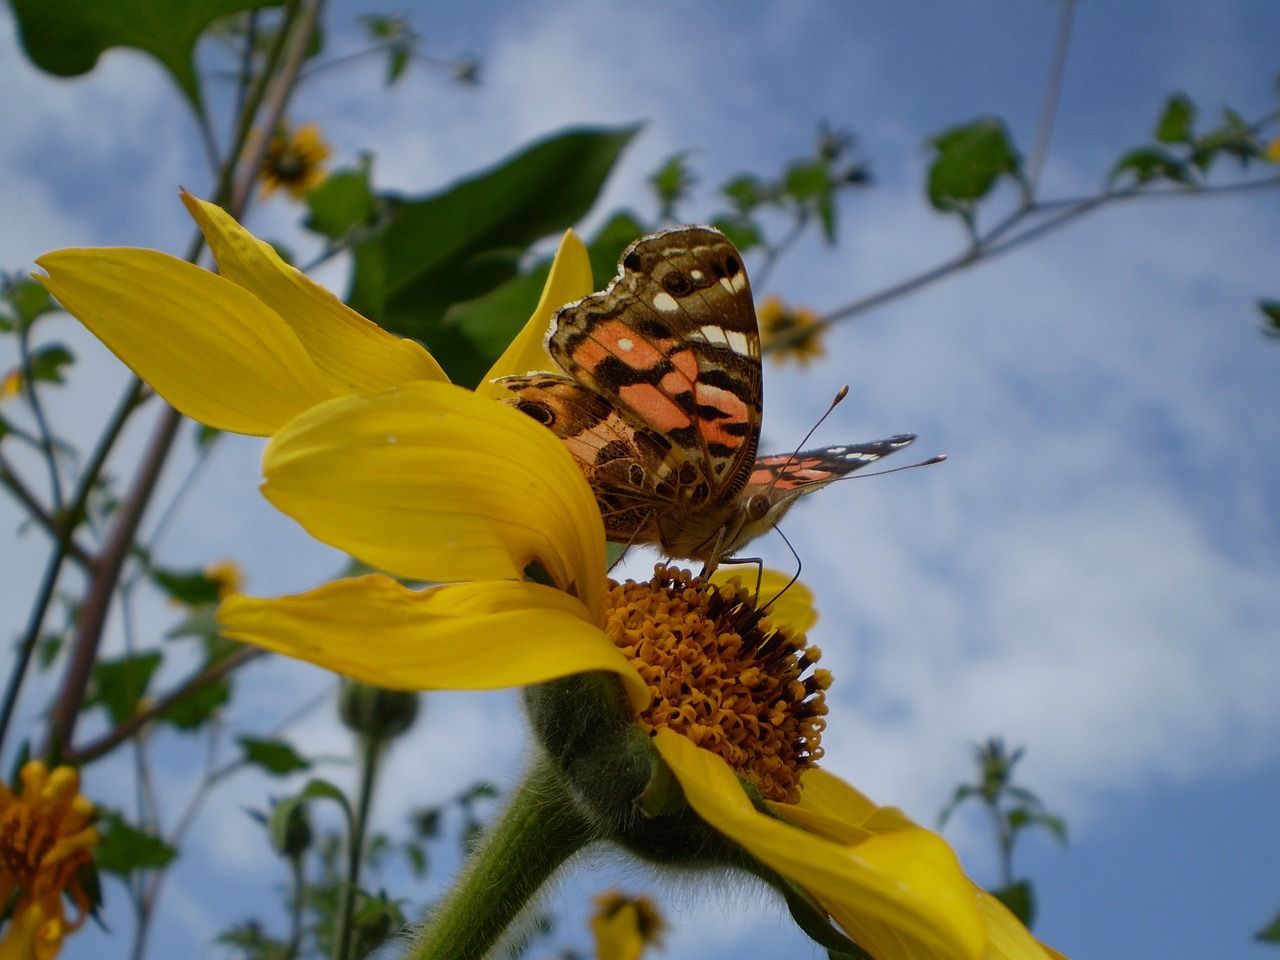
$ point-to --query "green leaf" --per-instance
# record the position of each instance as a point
(672, 182)
(206, 435)
(195, 709)
(119, 684)
(1270, 933)
(970, 158)
(48, 361)
(1174, 125)
(745, 192)
(202, 624)
(28, 301)
(191, 588)
(274, 756)
(805, 180)
(1270, 309)
(1020, 899)
(605, 249)
(125, 848)
(66, 37)
(743, 231)
(453, 246)
(397, 61)
(343, 202)
(1146, 164)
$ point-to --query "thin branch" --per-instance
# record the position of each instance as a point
(1068, 210)
(1052, 92)
(22, 493)
(215, 671)
(48, 446)
(53, 567)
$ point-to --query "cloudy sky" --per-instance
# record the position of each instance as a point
(1093, 573)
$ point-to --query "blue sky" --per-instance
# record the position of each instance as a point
(1092, 574)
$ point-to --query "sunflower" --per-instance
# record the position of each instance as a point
(675, 717)
(46, 846)
(294, 161)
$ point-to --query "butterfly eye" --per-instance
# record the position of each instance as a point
(757, 506)
(676, 284)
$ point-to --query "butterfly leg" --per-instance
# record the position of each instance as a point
(759, 562)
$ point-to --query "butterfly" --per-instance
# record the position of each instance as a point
(659, 400)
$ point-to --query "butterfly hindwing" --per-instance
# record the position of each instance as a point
(783, 476)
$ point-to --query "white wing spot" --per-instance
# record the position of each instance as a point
(625, 343)
(735, 284)
(696, 274)
(714, 334)
(666, 303)
(737, 341)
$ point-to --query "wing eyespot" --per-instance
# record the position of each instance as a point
(676, 284)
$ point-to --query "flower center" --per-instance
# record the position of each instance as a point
(723, 676)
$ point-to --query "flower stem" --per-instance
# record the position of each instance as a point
(540, 829)
(371, 751)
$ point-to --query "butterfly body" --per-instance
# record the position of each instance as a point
(659, 401)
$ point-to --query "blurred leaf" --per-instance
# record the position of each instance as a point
(671, 183)
(1020, 899)
(343, 202)
(48, 650)
(1020, 818)
(416, 854)
(195, 709)
(253, 942)
(1269, 308)
(27, 301)
(119, 684)
(273, 756)
(805, 179)
(1152, 163)
(962, 793)
(1271, 932)
(455, 245)
(426, 822)
(125, 848)
(66, 37)
(605, 249)
(1235, 137)
(745, 192)
(397, 61)
(970, 158)
(289, 826)
(191, 588)
(205, 435)
(1174, 125)
(47, 362)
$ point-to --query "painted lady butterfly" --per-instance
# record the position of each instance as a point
(662, 400)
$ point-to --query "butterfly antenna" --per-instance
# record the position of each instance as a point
(840, 395)
(936, 458)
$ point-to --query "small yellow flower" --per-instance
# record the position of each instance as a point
(1273, 150)
(11, 385)
(792, 333)
(227, 575)
(294, 161)
(625, 926)
(45, 842)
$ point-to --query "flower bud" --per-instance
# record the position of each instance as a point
(374, 712)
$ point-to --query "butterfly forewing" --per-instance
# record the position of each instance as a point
(674, 344)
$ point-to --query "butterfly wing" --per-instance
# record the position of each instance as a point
(674, 346)
(620, 460)
(778, 481)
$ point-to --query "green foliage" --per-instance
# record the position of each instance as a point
(452, 246)
(274, 756)
(1270, 933)
(672, 183)
(1270, 310)
(969, 159)
(195, 709)
(125, 848)
(343, 203)
(1020, 899)
(1181, 155)
(1174, 125)
(66, 37)
(48, 361)
(22, 302)
(191, 588)
(1014, 809)
(119, 684)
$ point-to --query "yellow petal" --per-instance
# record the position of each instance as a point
(210, 348)
(900, 895)
(430, 482)
(1007, 938)
(569, 280)
(789, 603)
(354, 354)
(618, 934)
(466, 636)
